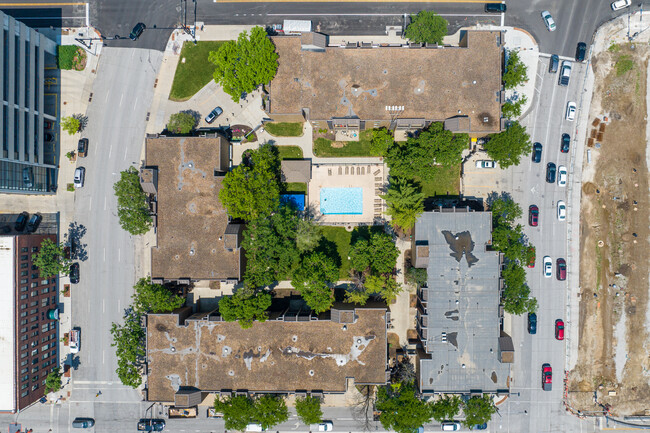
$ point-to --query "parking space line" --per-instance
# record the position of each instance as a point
(125, 150)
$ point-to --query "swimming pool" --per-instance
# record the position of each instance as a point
(341, 201)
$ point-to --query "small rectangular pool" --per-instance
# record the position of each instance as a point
(341, 201)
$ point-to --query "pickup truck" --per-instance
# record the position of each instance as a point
(75, 336)
(565, 73)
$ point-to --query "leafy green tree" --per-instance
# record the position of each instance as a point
(53, 380)
(416, 276)
(312, 279)
(377, 255)
(405, 203)
(132, 206)
(516, 294)
(270, 411)
(426, 26)
(446, 408)
(308, 235)
(507, 147)
(478, 410)
(129, 341)
(357, 295)
(516, 72)
(308, 410)
(384, 286)
(181, 123)
(381, 139)
(50, 259)
(70, 124)
(238, 411)
(512, 109)
(243, 65)
(154, 298)
(252, 189)
(504, 210)
(401, 410)
(245, 308)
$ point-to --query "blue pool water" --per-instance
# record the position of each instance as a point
(341, 201)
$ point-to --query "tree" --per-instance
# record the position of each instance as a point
(516, 72)
(50, 259)
(312, 279)
(416, 276)
(53, 380)
(504, 210)
(508, 146)
(378, 255)
(516, 294)
(132, 206)
(308, 410)
(129, 341)
(384, 286)
(381, 139)
(512, 109)
(363, 406)
(357, 295)
(238, 411)
(245, 308)
(243, 65)
(404, 372)
(252, 189)
(270, 411)
(308, 235)
(446, 407)
(405, 203)
(70, 124)
(428, 27)
(181, 123)
(478, 410)
(401, 410)
(154, 298)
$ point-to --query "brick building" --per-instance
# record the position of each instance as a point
(28, 343)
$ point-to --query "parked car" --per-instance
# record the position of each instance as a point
(21, 222)
(325, 426)
(548, 267)
(481, 426)
(450, 426)
(581, 52)
(137, 31)
(485, 163)
(531, 262)
(559, 329)
(547, 377)
(550, 172)
(74, 341)
(532, 323)
(621, 4)
(561, 210)
(254, 428)
(82, 147)
(561, 269)
(571, 111)
(34, 222)
(549, 22)
(79, 176)
(495, 8)
(554, 63)
(213, 115)
(537, 152)
(533, 215)
(151, 424)
(74, 273)
(83, 423)
(561, 176)
(565, 73)
(566, 142)
(28, 177)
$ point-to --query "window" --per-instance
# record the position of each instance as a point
(45, 328)
(52, 335)
(24, 370)
(23, 281)
(23, 347)
(24, 265)
(35, 276)
(45, 302)
(23, 322)
(35, 369)
(34, 267)
(24, 249)
(23, 330)
(54, 299)
(45, 364)
(25, 385)
(44, 339)
(23, 355)
(44, 348)
(34, 334)
(44, 282)
(23, 363)
(23, 273)
(34, 249)
(23, 306)
(23, 314)
(35, 387)
(52, 344)
(33, 319)
(33, 343)
(34, 293)
(45, 290)
(33, 311)
(24, 394)
(34, 284)
(53, 353)
(34, 352)
(24, 257)
(23, 289)
(23, 296)
(33, 303)
(45, 355)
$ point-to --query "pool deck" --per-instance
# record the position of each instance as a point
(370, 177)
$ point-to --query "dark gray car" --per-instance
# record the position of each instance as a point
(554, 63)
(83, 423)
(537, 152)
(550, 172)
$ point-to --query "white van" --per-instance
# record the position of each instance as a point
(75, 336)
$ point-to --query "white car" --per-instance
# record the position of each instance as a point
(79, 176)
(561, 210)
(548, 267)
(561, 176)
(325, 426)
(571, 111)
(485, 163)
(254, 428)
(621, 4)
(548, 20)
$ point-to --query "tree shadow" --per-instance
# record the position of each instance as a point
(330, 249)
(364, 232)
(78, 249)
(493, 196)
(195, 114)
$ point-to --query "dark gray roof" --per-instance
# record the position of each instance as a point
(461, 322)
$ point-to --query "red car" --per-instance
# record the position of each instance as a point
(561, 269)
(533, 215)
(559, 329)
(531, 263)
(547, 377)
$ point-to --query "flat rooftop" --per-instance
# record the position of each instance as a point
(462, 311)
(271, 356)
(191, 222)
(432, 84)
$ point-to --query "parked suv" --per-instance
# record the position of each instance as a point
(213, 115)
(82, 147)
(33, 223)
(83, 423)
(151, 424)
(21, 222)
(137, 31)
(581, 52)
(537, 152)
(532, 323)
(566, 142)
(554, 63)
(79, 176)
(496, 8)
(565, 73)
(550, 172)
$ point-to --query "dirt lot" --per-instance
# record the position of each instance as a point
(613, 352)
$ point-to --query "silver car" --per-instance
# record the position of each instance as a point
(548, 21)
(79, 176)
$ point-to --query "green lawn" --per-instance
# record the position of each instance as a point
(289, 152)
(284, 129)
(446, 181)
(295, 187)
(196, 72)
(340, 237)
(322, 147)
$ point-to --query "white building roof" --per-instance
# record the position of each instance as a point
(7, 335)
(296, 26)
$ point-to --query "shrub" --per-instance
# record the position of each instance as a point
(624, 64)
(65, 55)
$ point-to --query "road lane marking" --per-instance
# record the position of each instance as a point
(356, 14)
(106, 99)
(42, 4)
(88, 16)
(103, 305)
(125, 150)
(119, 255)
(121, 99)
(110, 150)
(103, 355)
(135, 104)
(104, 254)
(104, 202)
(118, 305)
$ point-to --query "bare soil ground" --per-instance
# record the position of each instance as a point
(614, 244)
